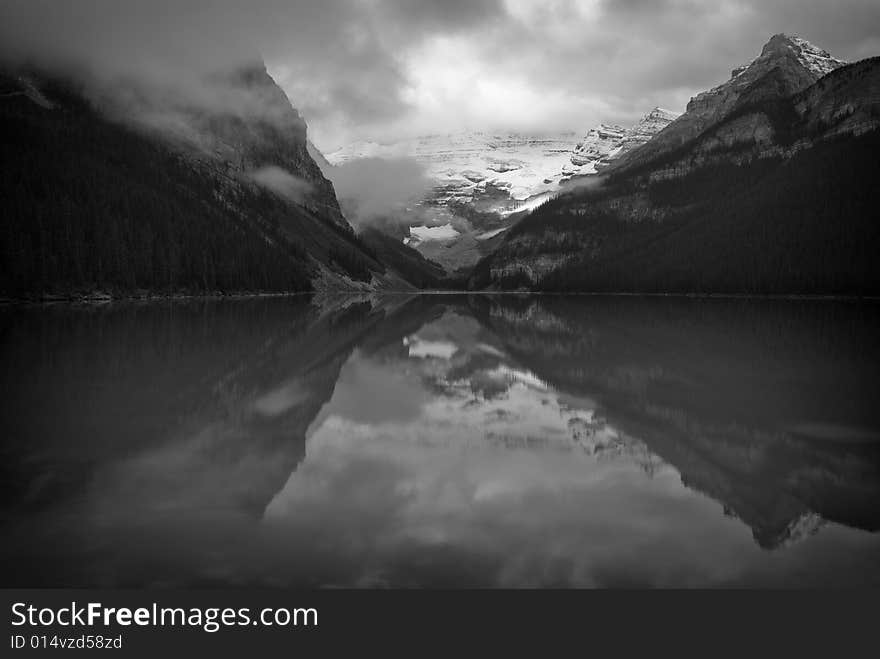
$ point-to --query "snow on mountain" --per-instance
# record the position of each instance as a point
(505, 173)
(496, 170)
(608, 142)
(787, 65)
(651, 124)
(482, 178)
(600, 143)
(813, 58)
(426, 234)
(815, 61)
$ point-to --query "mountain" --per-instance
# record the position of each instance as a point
(135, 190)
(765, 185)
(605, 144)
(503, 173)
(476, 185)
(491, 171)
(787, 65)
(481, 183)
(256, 129)
(418, 271)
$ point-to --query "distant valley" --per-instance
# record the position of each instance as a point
(481, 183)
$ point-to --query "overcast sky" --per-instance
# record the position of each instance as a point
(380, 69)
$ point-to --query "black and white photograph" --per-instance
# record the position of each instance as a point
(307, 295)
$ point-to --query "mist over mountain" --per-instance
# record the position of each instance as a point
(105, 199)
(378, 190)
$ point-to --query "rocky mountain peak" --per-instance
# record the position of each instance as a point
(814, 59)
(603, 144)
(787, 65)
(800, 63)
(787, 49)
(660, 113)
(781, 43)
(653, 122)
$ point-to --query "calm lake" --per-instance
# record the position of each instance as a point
(509, 441)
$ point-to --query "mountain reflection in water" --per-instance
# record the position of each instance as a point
(442, 441)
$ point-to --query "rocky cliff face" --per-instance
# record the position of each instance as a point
(604, 144)
(599, 145)
(644, 131)
(242, 121)
(787, 65)
(207, 187)
(276, 136)
(769, 123)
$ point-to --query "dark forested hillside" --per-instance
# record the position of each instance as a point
(409, 263)
(777, 194)
(89, 204)
(804, 225)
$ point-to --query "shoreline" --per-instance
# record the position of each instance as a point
(103, 299)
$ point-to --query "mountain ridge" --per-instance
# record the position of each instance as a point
(606, 143)
(127, 194)
(657, 221)
(799, 65)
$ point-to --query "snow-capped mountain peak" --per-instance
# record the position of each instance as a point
(659, 114)
(786, 65)
(812, 58)
(471, 165)
(605, 143)
(651, 124)
(599, 143)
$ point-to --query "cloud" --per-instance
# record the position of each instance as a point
(126, 38)
(378, 190)
(282, 183)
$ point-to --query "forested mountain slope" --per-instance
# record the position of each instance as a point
(92, 202)
(778, 196)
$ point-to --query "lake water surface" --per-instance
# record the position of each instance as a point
(442, 441)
